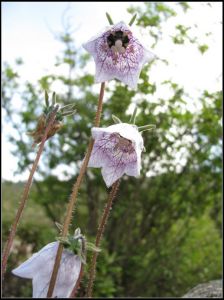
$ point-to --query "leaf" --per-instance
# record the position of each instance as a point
(46, 98)
(132, 20)
(53, 98)
(92, 247)
(59, 226)
(203, 48)
(146, 127)
(109, 19)
(132, 119)
(116, 119)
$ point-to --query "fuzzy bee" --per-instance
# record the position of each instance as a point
(117, 35)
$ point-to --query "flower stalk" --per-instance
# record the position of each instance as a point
(99, 235)
(73, 196)
(26, 190)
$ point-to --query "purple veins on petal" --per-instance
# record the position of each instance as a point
(118, 54)
(115, 152)
(39, 268)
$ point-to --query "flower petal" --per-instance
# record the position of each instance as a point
(30, 267)
(68, 275)
(117, 150)
(111, 173)
(101, 141)
(39, 267)
(126, 130)
(123, 63)
(40, 284)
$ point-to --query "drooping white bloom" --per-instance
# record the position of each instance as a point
(118, 54)
(117, 150)
(39, 268)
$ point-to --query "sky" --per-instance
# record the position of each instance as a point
(28, 30)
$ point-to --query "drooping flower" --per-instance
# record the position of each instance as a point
(118, 54)
(39, 268)
(117, 150)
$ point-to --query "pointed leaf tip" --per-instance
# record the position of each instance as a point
(46, 98)
(68, 113)
(132, 20)
(147, 127)
(116, 119)
(59, 226)
(53, 98)
(109, 19)
(70, 106)
(133, 117)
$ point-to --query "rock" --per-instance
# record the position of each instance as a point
(212, 289)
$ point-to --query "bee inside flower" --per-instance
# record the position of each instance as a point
(118, 54)
(118, 41)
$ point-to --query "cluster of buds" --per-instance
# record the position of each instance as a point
(42, 123)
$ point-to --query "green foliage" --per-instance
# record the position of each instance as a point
(163, 235)
(203, 48)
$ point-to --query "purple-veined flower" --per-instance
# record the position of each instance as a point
(39, 268)
(117, 150)
(118, 54)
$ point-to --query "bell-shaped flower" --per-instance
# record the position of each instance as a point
(118, 54)
(117, 150)
(39, 268)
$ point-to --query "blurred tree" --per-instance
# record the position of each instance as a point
(163, 235)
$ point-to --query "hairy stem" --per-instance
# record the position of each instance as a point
(25, 194)
(73, 196)
(99, 235)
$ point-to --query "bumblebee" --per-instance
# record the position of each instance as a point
(118, 35)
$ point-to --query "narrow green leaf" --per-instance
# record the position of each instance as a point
(146, 127)
(109, 19)
(92, 247)
(116, 119)
(77, 232)
(70, 106)
(132, 20)
(46, 98)
(59, 226)
(54, 98)
(132, 119)
(68, 113)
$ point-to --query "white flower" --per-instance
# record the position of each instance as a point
(117, 150)
(118, 54)
(39, 268)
